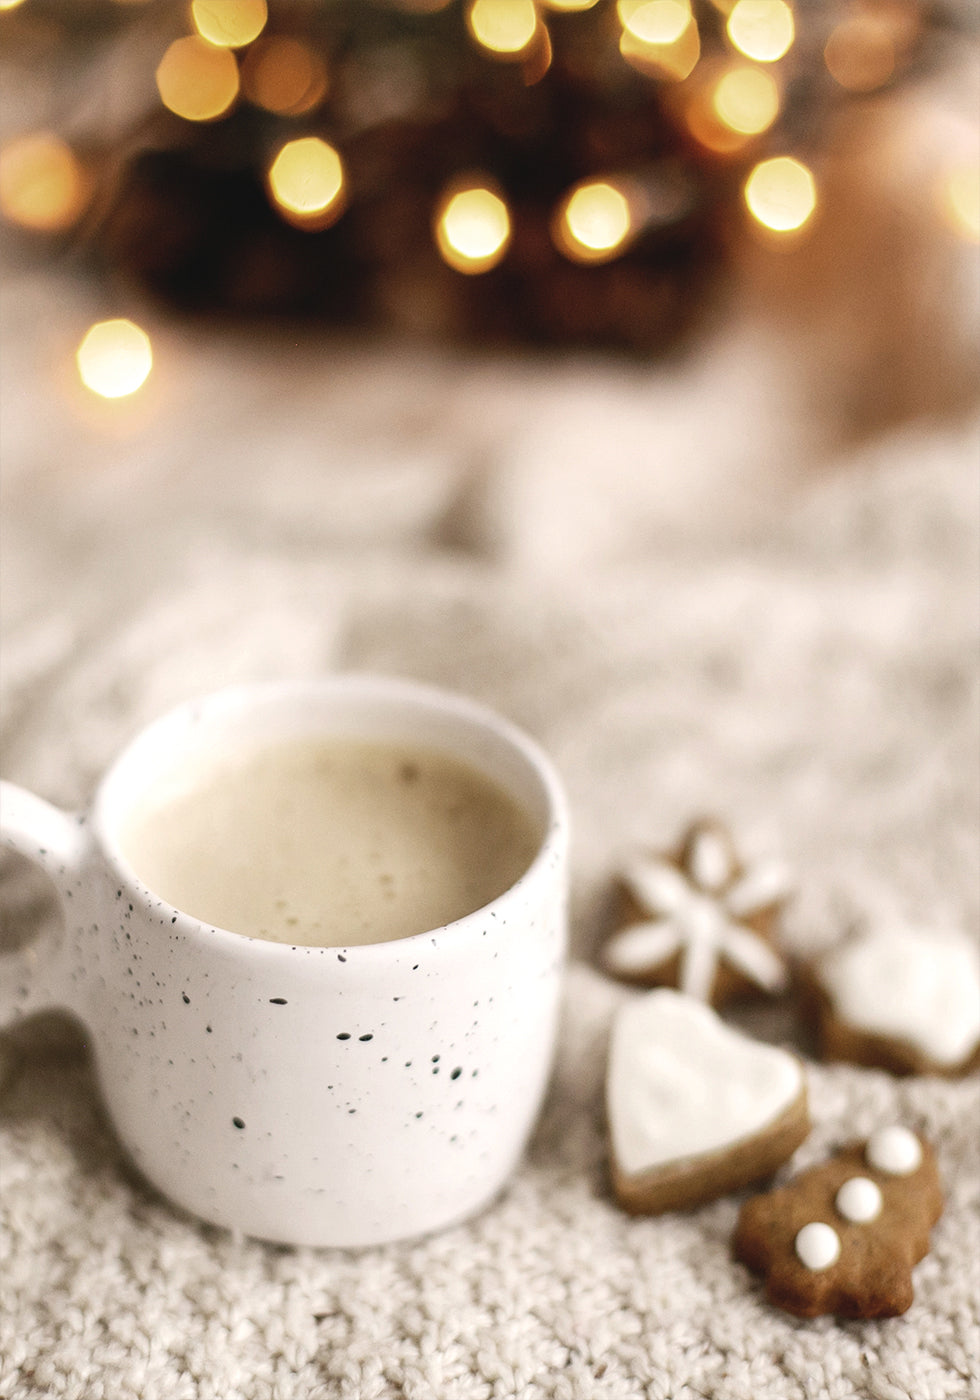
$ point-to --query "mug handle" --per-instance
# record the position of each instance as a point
(35, 976)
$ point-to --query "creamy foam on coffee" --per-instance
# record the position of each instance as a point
(330, 842)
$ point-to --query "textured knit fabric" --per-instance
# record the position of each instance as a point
(670, 581)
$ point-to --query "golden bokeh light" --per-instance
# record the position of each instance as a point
(230, 24)
(9, 4)
(594, 222)
(960, 198)
(503, 27)
(781, 194)
(196, 80)
(762, 29)
(655, 21)
(569, 5)
(660, 38)
(114, 358)
(284, 76)
(472, 228)
(860, 53)
(42, 184)
(306, 182)
(746, 100)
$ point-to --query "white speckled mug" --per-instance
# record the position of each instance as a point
(307, 1095)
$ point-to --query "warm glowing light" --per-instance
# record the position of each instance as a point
(960, 195)
(594, 222)
(472, 229)
(196, 80)
(781, 193)
(229, 23)
(9, 4)
(284, 76)
(655, 21)
(42, 186)
(568, 5)
(114, 359)
(747, 100)
(505, 27)
(306, 181)
(660, 38)
(860, 53)
(762, 29)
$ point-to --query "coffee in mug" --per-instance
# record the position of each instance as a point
(346, 1092)
(329, 842)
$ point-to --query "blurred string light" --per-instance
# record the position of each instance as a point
(594, 222)
(229, 24)
(42, 184)
(284, 75)
(115, 358)
(761, 29)
(710, 86)
(781, 194)
(9, 4)
(503, 28)
(746, 100)
(197, 80)
(860, 52)
(306, 183)
(472, 226)
(660, 38)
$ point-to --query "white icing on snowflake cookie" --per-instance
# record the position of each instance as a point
(705, 909)
(695, 1108)
(905, 999)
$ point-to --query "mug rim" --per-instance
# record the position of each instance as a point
(550, 847)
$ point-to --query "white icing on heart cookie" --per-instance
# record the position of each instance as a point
(920, 987)
(682, 1083)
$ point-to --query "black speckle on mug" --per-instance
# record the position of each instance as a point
(278, 1001)
(344, 1035)
(419, 1114)
(186, 998)
(208, 1029)
(341, 958)
(238, 1122)
(369, 1036)
(456, 1072)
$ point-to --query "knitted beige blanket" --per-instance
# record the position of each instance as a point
(667, 577)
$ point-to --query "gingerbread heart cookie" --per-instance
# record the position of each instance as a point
(695, 1109)
(700, 920)
(843, 1237)
(902, 999)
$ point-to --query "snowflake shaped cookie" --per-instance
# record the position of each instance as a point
(700, 920)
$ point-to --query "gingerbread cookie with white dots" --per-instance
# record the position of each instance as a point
(844, 1237)
(700, 920)
(902, 999)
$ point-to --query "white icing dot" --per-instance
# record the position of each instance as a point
(859, 1200)
(818, 1245)
(710, 860)
(895, 1151)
